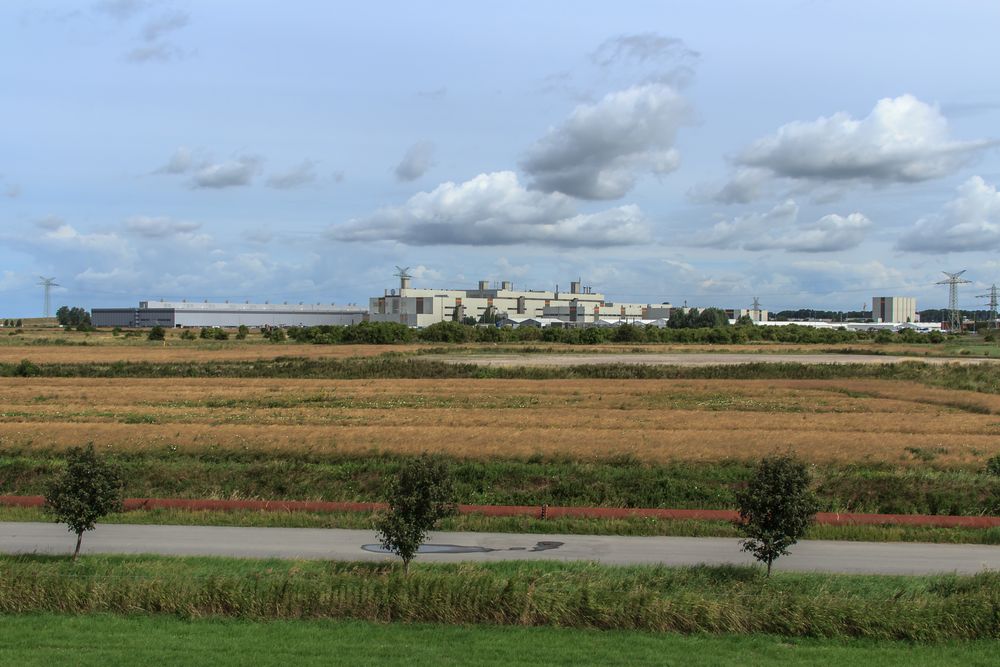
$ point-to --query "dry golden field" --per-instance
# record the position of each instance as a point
(655, 420)
(185, 351)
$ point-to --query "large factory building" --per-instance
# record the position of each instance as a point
(894, 309)
(421, 307)
(171, 314)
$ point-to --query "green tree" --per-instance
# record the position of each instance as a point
(157, 333)
(242, 332)
(87, 490)
(775, 508)
(419, 495)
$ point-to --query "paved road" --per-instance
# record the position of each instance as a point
(691, 359)
(311, 543)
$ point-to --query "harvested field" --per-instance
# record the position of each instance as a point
(829, 421)
(183, 351)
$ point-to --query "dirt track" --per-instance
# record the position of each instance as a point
(695, 359)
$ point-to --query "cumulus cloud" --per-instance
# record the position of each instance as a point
(159, 227)
(164, 25)
(152, 53)
(419, 158)
(902, 140)
(231, 173)
(122, 10)
(299, 175)
(181, 161)
(970, 222)
(778, 229)
(602, 148)
(495, 209)
(664, 59)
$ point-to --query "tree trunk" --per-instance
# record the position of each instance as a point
(406, 566)
(769, 561)
(79, 539)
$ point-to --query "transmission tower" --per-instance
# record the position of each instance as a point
(992, 296)
(755, 309)
(954, 314)
(48, 284)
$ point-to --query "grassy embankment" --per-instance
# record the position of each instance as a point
(560, 525)
(715, 600)
(44, 639)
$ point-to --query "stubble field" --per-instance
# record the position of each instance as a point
(654, 421)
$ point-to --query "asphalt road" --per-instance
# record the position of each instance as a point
(312, 543)
(688, 359)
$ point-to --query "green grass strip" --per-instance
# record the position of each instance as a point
(714, 600)
(46, 639)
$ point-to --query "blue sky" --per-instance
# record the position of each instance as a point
(811, 153)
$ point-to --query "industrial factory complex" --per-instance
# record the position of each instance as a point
(494, 304)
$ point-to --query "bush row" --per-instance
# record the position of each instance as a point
(735, 600)
(621, 482)
(385, 333)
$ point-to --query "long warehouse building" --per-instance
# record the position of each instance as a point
(171, 314)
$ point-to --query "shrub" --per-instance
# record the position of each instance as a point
(242, 332)
(419, 496)
(157, 333)
(776, 507)
(993, 466)
(188, 334)
(87, 490)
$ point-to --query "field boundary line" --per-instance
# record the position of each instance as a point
(536, 511)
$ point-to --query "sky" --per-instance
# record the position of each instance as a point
(810, 153)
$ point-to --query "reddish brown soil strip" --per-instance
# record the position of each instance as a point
(826, 518)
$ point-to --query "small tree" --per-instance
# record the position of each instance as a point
(88, 489)
(157, 333)
(242, 332)
(776, 507)
(419, 496)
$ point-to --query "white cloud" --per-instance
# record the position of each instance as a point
(495, 209)
(416, 162)
(165, 24)
(232, 173)
(902, 140)
(778, 229)
(602, 148)
(181, 161)
(299, 175)
(159, 227)
(970, 222)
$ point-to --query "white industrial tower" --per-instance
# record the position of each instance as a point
(954, 314)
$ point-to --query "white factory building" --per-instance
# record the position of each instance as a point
(894, 309)
(170, 314)
(422, 307)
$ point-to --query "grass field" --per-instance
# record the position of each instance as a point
(832, 421)
(46, 639)
(875, 445)
(716, 600)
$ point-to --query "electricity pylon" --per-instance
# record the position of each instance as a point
(48, 284)
(992, 296)
(954, 314)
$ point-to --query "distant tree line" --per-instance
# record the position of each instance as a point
(387, 333)
(74, 317)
